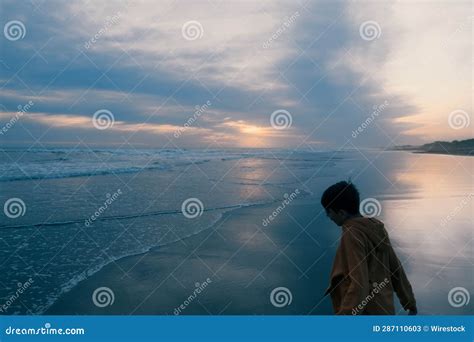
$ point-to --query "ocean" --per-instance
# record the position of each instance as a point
(69, 212)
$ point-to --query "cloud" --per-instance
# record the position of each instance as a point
(249, 59)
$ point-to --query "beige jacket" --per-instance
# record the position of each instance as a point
(366, 272)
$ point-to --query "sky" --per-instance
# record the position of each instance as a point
(220, 74)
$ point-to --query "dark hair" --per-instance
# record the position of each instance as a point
(341, 196)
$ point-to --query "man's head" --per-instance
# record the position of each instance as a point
(341, 201)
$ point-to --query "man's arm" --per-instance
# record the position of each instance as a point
(400, 283)
(354, 245)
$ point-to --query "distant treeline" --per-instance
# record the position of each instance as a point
(464, 147)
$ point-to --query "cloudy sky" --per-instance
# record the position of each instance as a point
(211, 73)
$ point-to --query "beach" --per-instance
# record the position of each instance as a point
(118, 242)
(242, 261)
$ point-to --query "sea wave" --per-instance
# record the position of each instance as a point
(125, 217)
(33, 164)
(52, 298)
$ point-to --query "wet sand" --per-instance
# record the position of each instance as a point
(243, 260)
(427, 209)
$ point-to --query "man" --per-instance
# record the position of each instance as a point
(366, 271)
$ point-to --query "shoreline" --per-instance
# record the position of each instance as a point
(240, 278)
(430, 152)
(444, 153)
(69, 286)
(455, 147)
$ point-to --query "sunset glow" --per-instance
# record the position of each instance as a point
(204, 75)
